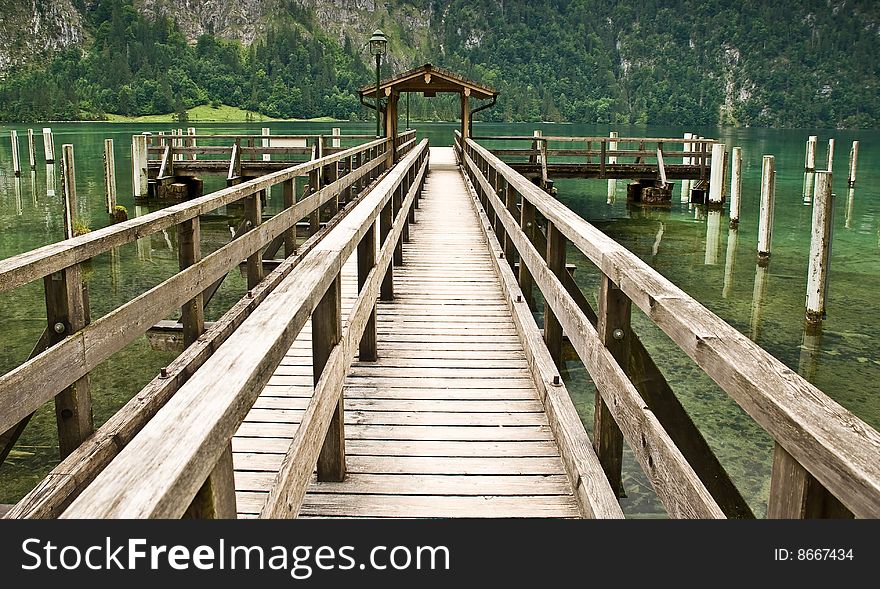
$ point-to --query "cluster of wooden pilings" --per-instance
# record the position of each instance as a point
(68, 173)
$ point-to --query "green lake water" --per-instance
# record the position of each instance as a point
(692, 247)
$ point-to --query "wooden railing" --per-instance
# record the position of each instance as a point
(607, 154)
(72, 345)
(180, 463)
(825, 460)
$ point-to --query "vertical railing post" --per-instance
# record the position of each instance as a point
(556, 242)
(189, 252)
(288, 195)
(253, 215)
(67, 312)
(614, 333)
(509, 199)
(314, 186)
(527, 223)
(397, 200)
(331, 174)
(386, 219)
(216, 498)
(366, 258)
(796, 494)
(326, 333)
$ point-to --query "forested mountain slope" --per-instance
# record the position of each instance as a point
(791, 63)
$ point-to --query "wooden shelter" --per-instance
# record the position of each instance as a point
(429, 80)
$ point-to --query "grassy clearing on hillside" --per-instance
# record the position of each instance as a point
(206, 114)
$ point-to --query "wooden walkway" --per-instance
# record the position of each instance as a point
(448, 422)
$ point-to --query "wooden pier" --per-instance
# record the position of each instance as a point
(386, 361)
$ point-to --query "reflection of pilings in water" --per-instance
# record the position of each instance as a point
(809, 180)
(612, 190)
(811, 348)
(730, 261)
(758, 301)
(143, 243)
(713, 237)
(50, 179)
(850, 206)
(657, 239)
(115, 270)
(17, 187)
(34, 186)
(167, 240)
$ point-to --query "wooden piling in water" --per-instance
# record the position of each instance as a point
(16, 161)
(716, 176)
(853, 162)
(612, 159)
(109, 175)
(139, 165)
(191, 142)
(68, 189)
(768, 195)
(265, 142)
(32, 152)
(735, 185)
(48, 145)
(820, 245)
(686, 160)
(810, 157)
(336, 142)
(830, 166)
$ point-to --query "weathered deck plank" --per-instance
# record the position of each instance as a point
(448, 422)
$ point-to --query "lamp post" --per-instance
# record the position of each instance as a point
(378, 45)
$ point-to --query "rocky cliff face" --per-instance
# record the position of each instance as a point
(32, 30)
(231, 19)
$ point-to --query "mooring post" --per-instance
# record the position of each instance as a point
(336, 141)
(556, 242)
(614, 331)
(366, 258)
(191, 141)
(853, 161)
(16, 162)
(265, 143)
(735, 185)
(768, 195)
(830, 167)
(716, 176)
(686, 161)
(189, 252)
(32, 152)
(820, 244)
(109, 175)
(810, 157)
(612, 159)
(139, 164)
(68, 189)
(48, 145)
